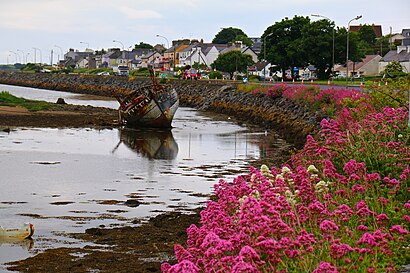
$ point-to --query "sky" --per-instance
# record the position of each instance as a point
(33, 28)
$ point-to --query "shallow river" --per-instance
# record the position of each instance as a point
(67, 180)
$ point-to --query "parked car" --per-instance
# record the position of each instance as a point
(190, 74)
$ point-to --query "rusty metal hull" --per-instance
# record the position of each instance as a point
(153, 110)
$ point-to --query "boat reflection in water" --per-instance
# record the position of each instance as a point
(26, 244)
(150, 143)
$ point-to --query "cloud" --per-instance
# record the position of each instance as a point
(132, 13)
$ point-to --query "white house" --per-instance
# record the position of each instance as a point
(401, 54)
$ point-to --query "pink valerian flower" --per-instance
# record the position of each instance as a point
(382, 217)
(368, 239)
(391, 182)
(325, 267)
(344, 211)
(399, 229)
(358, 188)
(363, 209)
(328, 226)
(249, 254)
(181, 267)
(405, 175)
(362, 228)
(407, 205)
(337, 251)
(406, 218)
(383, 201)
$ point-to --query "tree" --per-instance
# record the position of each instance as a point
(393, 69)
(318, 40)
(143, 45)
(227, 35)
(284, 43)
(232, 61)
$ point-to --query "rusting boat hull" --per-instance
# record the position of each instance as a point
(155, 111)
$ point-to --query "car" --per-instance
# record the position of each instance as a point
(190, 74)
(103, 73)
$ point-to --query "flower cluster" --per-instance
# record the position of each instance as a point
(341, 206)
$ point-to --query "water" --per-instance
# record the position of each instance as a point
(68, 180)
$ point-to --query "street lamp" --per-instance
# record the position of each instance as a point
(61, 51)
(264, 54)
(41, 57)
(164, 38)
(88, 56)
(115, 41)
(173, 53)
(15, 54)
(333, 40)
(347, 48)
(22, 54)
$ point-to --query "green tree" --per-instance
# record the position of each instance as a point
(284, 43)
(143, 45)
(227, 35)
(244, 39)
(393, 69)
(318, 40)
(232, 61)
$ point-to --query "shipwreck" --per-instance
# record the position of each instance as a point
(151, 105)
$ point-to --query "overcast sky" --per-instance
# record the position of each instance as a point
(54, 24)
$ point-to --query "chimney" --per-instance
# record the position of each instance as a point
(401, 48)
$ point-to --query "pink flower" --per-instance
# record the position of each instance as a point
(399, 229)
(362, 228)
(328, 226)
(368, 239)
(182, 267)
(382, 217)
(406, 218)
(325, 268)
(358, 188)
(338, 251)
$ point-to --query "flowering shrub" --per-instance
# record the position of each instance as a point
(343, 205)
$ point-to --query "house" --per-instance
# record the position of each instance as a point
(249, 51)
(377, 29)
(261, 69)
(369, 66)
(406, 37)
(401, 54)
(149, 59)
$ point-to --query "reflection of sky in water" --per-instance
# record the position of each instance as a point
(86, 166)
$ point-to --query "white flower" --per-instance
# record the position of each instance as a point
(285, 170)
(312, 169)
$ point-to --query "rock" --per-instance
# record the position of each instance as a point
(61, 101)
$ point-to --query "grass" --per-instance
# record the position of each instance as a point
(6, 99)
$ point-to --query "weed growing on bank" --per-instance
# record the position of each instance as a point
(343, 205)
(6, 99)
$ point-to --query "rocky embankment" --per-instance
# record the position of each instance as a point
(292, 121)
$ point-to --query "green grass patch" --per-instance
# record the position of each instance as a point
(7, 99)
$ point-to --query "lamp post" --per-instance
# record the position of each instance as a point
(22, 54)
(61, 51)
(115, 41)
(41, 57)
(28, 53)
(8, 58)
(88, 56)
(333, 40)
(347, 48)
(168, 47)
(264, 54)
(123, 52)
(15, 55)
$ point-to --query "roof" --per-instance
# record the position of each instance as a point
(377, 29)
(392, 55)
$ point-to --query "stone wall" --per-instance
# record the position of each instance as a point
(293, 122)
